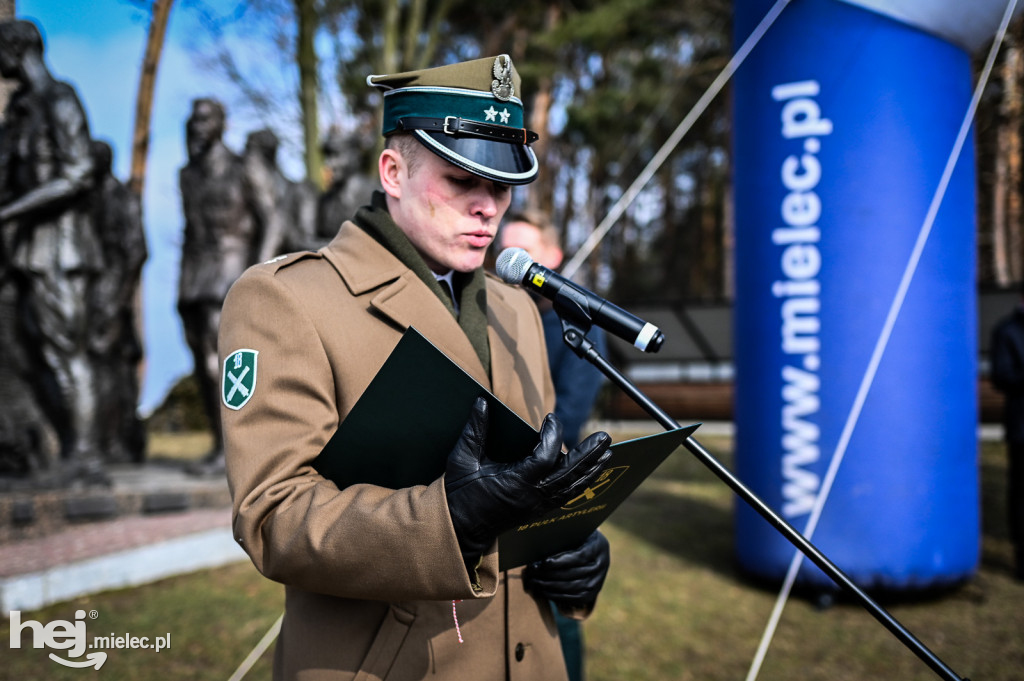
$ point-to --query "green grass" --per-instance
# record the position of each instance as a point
(673, 608)
(214, 617)
(185, 446)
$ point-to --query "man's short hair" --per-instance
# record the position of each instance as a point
(408, 146)
(20, 36)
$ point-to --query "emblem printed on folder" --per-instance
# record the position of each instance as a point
(597, 488)
(239, 380)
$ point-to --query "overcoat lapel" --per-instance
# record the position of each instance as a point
(398, 294)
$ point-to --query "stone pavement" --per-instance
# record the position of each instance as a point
(154, 521)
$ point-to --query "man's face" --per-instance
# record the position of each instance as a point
(525, 236)
(450, 215)
(203, 128)
(529, 238)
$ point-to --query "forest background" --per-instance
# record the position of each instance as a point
(605, 82)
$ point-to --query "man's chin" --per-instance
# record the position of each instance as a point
(469, 262)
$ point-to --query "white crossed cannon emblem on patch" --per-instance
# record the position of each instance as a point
(237, 385)
(239, 380)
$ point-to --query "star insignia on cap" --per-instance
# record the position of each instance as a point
(491, 114)
(505, 115)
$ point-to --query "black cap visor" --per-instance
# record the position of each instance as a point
(504, 162)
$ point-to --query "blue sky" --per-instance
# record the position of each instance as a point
(98, 48)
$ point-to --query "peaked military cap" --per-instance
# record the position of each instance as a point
(468, 113)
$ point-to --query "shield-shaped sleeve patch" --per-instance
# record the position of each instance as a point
(239, 379)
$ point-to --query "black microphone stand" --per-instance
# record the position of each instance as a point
(575, 325)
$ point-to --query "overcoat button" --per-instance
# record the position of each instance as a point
(520, 652)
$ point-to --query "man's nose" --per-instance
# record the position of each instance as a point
(485, 204)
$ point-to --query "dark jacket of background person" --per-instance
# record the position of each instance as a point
(1007, 374)
(1007, 371)
(577, 381)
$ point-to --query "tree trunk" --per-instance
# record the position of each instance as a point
(1000, 253)
(711, 226)
(542, 195)
(144, 97)
(1012, 151)
(6, 88)
(308, 89)
(413, 27)
(390, 59)
(672, 259)
(728, 275)
(1007, 203)
(433, 35)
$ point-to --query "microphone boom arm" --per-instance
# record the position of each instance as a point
(576, 324)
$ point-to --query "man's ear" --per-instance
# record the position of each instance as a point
(392, 169)
(554, 257)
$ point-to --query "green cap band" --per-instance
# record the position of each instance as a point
(430, 102)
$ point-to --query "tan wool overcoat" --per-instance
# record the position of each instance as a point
(371, 573)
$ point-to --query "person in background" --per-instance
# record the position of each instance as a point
(577, 382)
(1007, 374)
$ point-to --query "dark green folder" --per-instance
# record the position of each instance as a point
(409, 418)
(400, 431)
(565, 528)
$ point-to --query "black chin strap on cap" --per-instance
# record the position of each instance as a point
(462, 127)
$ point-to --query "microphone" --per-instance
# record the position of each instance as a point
(516, 267)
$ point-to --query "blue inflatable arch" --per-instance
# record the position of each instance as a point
(845, 117)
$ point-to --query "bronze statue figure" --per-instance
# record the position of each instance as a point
(223, 236)
(286, 210)
(114, 342)
(50, 251)
(348, 187)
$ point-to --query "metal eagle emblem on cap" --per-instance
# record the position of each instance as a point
(501, 86)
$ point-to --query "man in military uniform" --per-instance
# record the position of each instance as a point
(49, 246)
(404, 583)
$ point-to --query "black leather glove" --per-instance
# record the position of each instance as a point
(571, 579)
(485, 498)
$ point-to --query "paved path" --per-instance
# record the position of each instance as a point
(102, 538)
(141, 542)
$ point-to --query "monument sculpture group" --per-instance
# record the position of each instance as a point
(241, 210)
(66, 317)
(72, 248)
